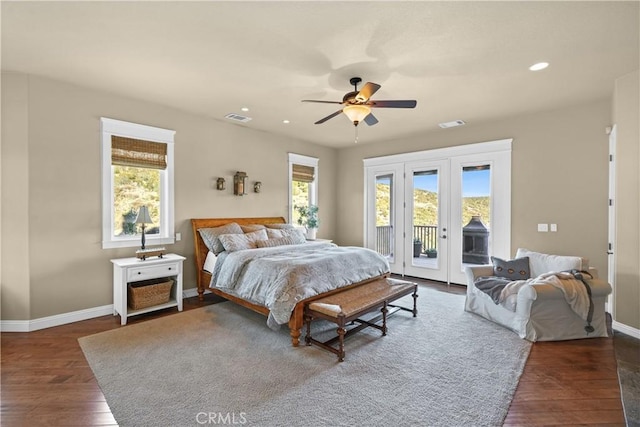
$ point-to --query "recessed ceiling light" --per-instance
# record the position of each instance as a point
(286, 122)
(245, 109)
(539, 66)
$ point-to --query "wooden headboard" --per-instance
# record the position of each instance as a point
(201, 249)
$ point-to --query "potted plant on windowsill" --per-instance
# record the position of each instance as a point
(308, 218)
(417, 247)
(431, 253)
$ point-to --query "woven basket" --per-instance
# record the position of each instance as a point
(148, 293)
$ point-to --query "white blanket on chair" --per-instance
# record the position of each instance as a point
(573, 290)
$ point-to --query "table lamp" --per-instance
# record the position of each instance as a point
(143, 218)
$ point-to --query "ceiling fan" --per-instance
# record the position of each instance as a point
(357, 104)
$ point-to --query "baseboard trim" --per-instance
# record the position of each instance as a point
(56, 320)
(66, 318)
(625, 329)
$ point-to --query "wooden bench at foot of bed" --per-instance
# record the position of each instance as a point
(347, 306)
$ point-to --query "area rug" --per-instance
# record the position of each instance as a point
(221, 364)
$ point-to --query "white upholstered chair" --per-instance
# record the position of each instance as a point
(541, 311)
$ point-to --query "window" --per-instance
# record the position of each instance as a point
(303, 183)
(137, 170)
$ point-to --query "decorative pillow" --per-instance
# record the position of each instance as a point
(544, 263)
(274, 234)
(210, 235)
(252, 227)
(271, 243)
(515, 269)
(210, 262)
(280, 226)
(238, 242)
(295, 233)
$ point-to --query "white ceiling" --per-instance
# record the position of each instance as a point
(459, 60)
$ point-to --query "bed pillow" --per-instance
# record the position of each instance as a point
(280, 226)
(544, 263)
(210, 236)
(210, 262)
(271, 243)
(295, 233)
(515, 269)
(238, 242)
(252, 227)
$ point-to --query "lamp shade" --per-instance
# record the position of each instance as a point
(356, 113)
(143, 216)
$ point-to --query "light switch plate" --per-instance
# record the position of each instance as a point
(543, 228)
(553, 227)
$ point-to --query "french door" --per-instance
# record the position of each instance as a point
(433, 213)
(426, 214)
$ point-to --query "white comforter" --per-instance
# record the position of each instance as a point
(278, 278)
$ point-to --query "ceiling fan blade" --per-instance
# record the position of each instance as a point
(322, 102)
(367, 91)
(330, 116)
(408, 103)
(370, 119)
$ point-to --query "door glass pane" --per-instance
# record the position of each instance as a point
(384, 215)
(476, 214)
(425, 218)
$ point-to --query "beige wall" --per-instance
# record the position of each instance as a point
(51, 188)
(559, 175)
(14, 290)
(626, 116)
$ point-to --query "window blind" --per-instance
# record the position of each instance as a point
(138, 153)
(303, 173)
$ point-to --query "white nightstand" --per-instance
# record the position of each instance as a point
(129, 270)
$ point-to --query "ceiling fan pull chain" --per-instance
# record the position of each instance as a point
(356, 141)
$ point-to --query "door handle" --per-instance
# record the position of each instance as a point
(609, 253)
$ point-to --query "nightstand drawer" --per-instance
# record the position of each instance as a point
(151, 272)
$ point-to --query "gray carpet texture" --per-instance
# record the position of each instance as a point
(221, 364)
(628, 357)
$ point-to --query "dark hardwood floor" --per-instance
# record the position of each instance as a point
(46, 381)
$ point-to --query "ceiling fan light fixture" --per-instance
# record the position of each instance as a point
(356, 113)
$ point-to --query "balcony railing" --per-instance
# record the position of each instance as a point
(427, 234)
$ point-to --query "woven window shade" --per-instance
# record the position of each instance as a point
(303, 173)
(138, 153)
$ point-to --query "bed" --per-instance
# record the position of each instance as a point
(379, 268)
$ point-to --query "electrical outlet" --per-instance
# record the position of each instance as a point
(543, 228)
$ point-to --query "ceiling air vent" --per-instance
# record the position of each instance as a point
(237, 117)
(451, 124)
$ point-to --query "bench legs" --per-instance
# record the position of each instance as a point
(384, 318)
(414, 311)
(341, 321)
(341, 332)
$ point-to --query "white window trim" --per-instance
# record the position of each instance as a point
(111, 127)
(300, 159)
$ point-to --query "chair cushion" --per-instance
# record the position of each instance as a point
(515, 269)
(540, 263)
